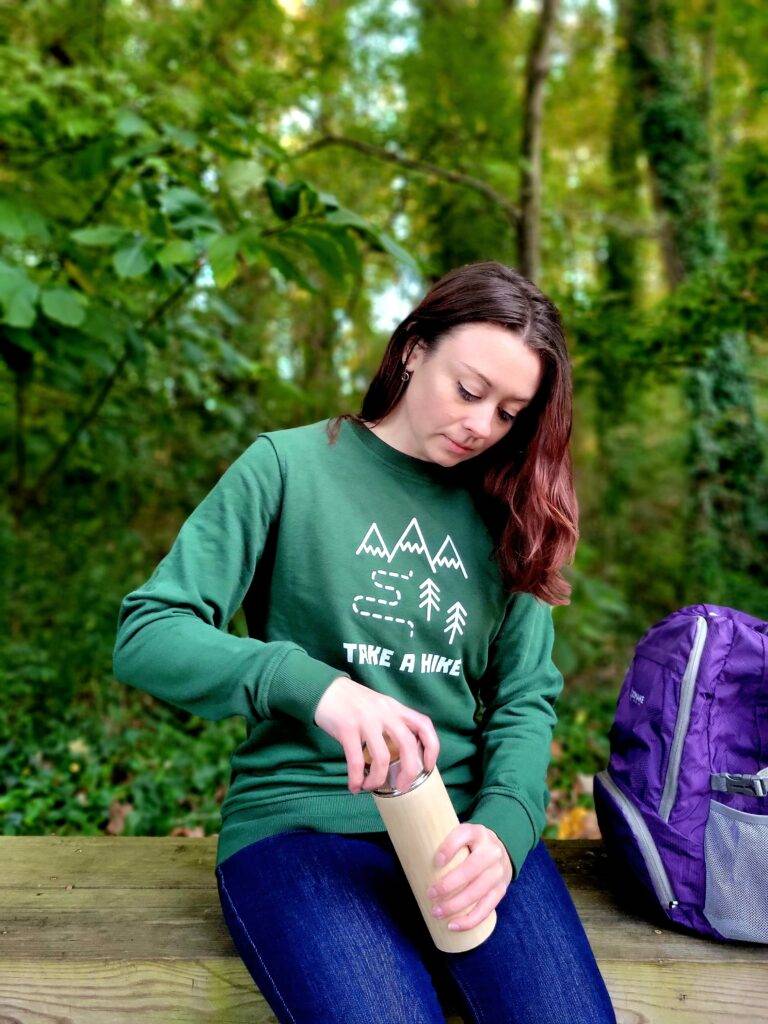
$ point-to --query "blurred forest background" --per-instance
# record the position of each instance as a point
(212, 215)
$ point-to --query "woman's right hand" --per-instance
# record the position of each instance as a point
(353, 714)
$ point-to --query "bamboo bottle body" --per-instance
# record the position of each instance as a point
(418, 821)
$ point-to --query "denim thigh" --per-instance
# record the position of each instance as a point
(328, 928)
(537, 965)
(324, 923)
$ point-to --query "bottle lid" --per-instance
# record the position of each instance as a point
(389, 787)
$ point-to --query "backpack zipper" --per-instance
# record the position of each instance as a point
(650, 854)
(687, 688)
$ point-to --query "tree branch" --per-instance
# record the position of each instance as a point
(509, 209)
(36, 491)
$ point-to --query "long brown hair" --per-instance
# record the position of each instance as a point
(523, 484)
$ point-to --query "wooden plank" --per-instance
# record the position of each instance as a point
(166, 890)
(214, 989)
(687, 993)
(118, 929)
(220, 991)
(129, 862)
(79, 924)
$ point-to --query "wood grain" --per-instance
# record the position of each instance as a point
(112, 929)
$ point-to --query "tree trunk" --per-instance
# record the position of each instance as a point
(537, 69)
(726, 448)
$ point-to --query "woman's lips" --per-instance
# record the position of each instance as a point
(455, 446)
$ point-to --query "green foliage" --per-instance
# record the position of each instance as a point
(187, 258)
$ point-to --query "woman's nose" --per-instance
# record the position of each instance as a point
(479, 424)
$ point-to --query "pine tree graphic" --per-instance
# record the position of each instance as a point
(429, 592)
(456, 619)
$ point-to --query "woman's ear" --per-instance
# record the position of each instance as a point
(417, 351)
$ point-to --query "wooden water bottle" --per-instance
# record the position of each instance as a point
(418, 820)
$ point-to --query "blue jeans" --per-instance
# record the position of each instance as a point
(331, 933)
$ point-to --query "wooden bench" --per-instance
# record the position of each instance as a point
(104, 930)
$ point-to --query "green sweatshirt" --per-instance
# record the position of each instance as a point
(351, 559)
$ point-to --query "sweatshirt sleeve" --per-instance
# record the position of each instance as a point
(172, 638)
(520, 688)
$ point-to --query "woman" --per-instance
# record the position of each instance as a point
(397, 571)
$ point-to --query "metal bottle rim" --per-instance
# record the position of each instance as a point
(389, 788)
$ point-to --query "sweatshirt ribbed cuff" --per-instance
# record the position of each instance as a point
(507, 817)
(298, 683)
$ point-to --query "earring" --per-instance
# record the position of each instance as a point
(405, 375)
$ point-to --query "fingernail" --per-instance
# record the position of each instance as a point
(453, 927)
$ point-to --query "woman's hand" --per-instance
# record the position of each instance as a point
(481, 878)
(353, 713)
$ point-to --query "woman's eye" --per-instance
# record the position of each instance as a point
(469, 397)
(467, 394)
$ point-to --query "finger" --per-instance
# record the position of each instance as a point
(377, 747)
(410, 756)
(475, 890)
(353, 752)
(479, 861)
(465, 834)
(430, 741)
(478, 913)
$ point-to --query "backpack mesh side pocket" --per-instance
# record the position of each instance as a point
(736, 861)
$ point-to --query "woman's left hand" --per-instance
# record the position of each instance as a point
(481, 878)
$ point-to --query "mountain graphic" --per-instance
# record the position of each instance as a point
(412, 541)
(373, 544)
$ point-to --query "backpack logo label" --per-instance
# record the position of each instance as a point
(638, 698)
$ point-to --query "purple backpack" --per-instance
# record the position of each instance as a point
(683, 804)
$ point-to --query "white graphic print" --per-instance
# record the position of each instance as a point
(413, 542)
(456, 619)
(383, 600)
(430, 597)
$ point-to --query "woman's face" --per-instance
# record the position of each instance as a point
(468, 391)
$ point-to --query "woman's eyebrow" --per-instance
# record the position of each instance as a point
(512, 398)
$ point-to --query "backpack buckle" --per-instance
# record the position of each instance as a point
(747, 785)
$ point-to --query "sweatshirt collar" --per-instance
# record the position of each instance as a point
(400, 462)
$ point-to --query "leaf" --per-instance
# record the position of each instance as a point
(64, 305)
(287, 267)
(379, 240)
(19, 222)
(348, 219)
(241, 176)
(390, 245)
(578, 823)
(183, 138)
(118, 812)
(128, 123)
(18, 295)
(178, 201)
(352, 255)
(100, 235)
(133, 260)
(329, 200)
(322, 245)
(179, 250)
(284, 199)
(222, 256)
(104, 325)
(187, 210)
